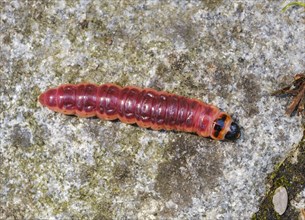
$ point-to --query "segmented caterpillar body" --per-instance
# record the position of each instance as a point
(147, 108)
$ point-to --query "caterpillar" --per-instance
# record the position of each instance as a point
(148, 108)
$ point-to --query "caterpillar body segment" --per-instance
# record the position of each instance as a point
(146, 107)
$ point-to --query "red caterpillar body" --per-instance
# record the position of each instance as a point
(147, 108)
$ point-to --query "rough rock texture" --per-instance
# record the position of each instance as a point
(230, 54)
(289, 173)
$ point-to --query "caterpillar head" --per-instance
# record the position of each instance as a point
(233, 133)
(225, 128)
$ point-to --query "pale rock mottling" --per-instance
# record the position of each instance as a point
(299, 201)
(231, 55)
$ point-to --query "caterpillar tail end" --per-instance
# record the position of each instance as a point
(41, 99)
(234, 132)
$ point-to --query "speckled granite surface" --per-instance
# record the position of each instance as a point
(229, 54)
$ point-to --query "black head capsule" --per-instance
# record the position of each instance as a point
(233, 133)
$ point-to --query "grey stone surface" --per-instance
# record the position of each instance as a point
(231, 54)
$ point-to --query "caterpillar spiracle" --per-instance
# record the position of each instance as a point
(146, 107)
